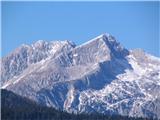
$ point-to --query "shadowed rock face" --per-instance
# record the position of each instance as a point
(97, 76)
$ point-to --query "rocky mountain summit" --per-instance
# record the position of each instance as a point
(97, 76)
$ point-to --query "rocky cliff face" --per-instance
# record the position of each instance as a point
(97, 76)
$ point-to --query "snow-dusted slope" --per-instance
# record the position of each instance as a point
(25, 56)
(97, 76)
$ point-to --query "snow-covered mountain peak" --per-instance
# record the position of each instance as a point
(106, 41)
(106, 37)
(40, 42)
(25, 46)
(69, 42)
(97, 76)
(43, 43)
(26, 55)
(100, 38)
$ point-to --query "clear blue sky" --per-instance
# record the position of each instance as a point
(134, 24)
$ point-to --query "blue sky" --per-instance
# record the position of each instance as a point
(134, 24)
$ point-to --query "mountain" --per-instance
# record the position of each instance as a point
(99, 76)
(15, 107)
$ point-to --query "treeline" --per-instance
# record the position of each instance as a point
(14, 107)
